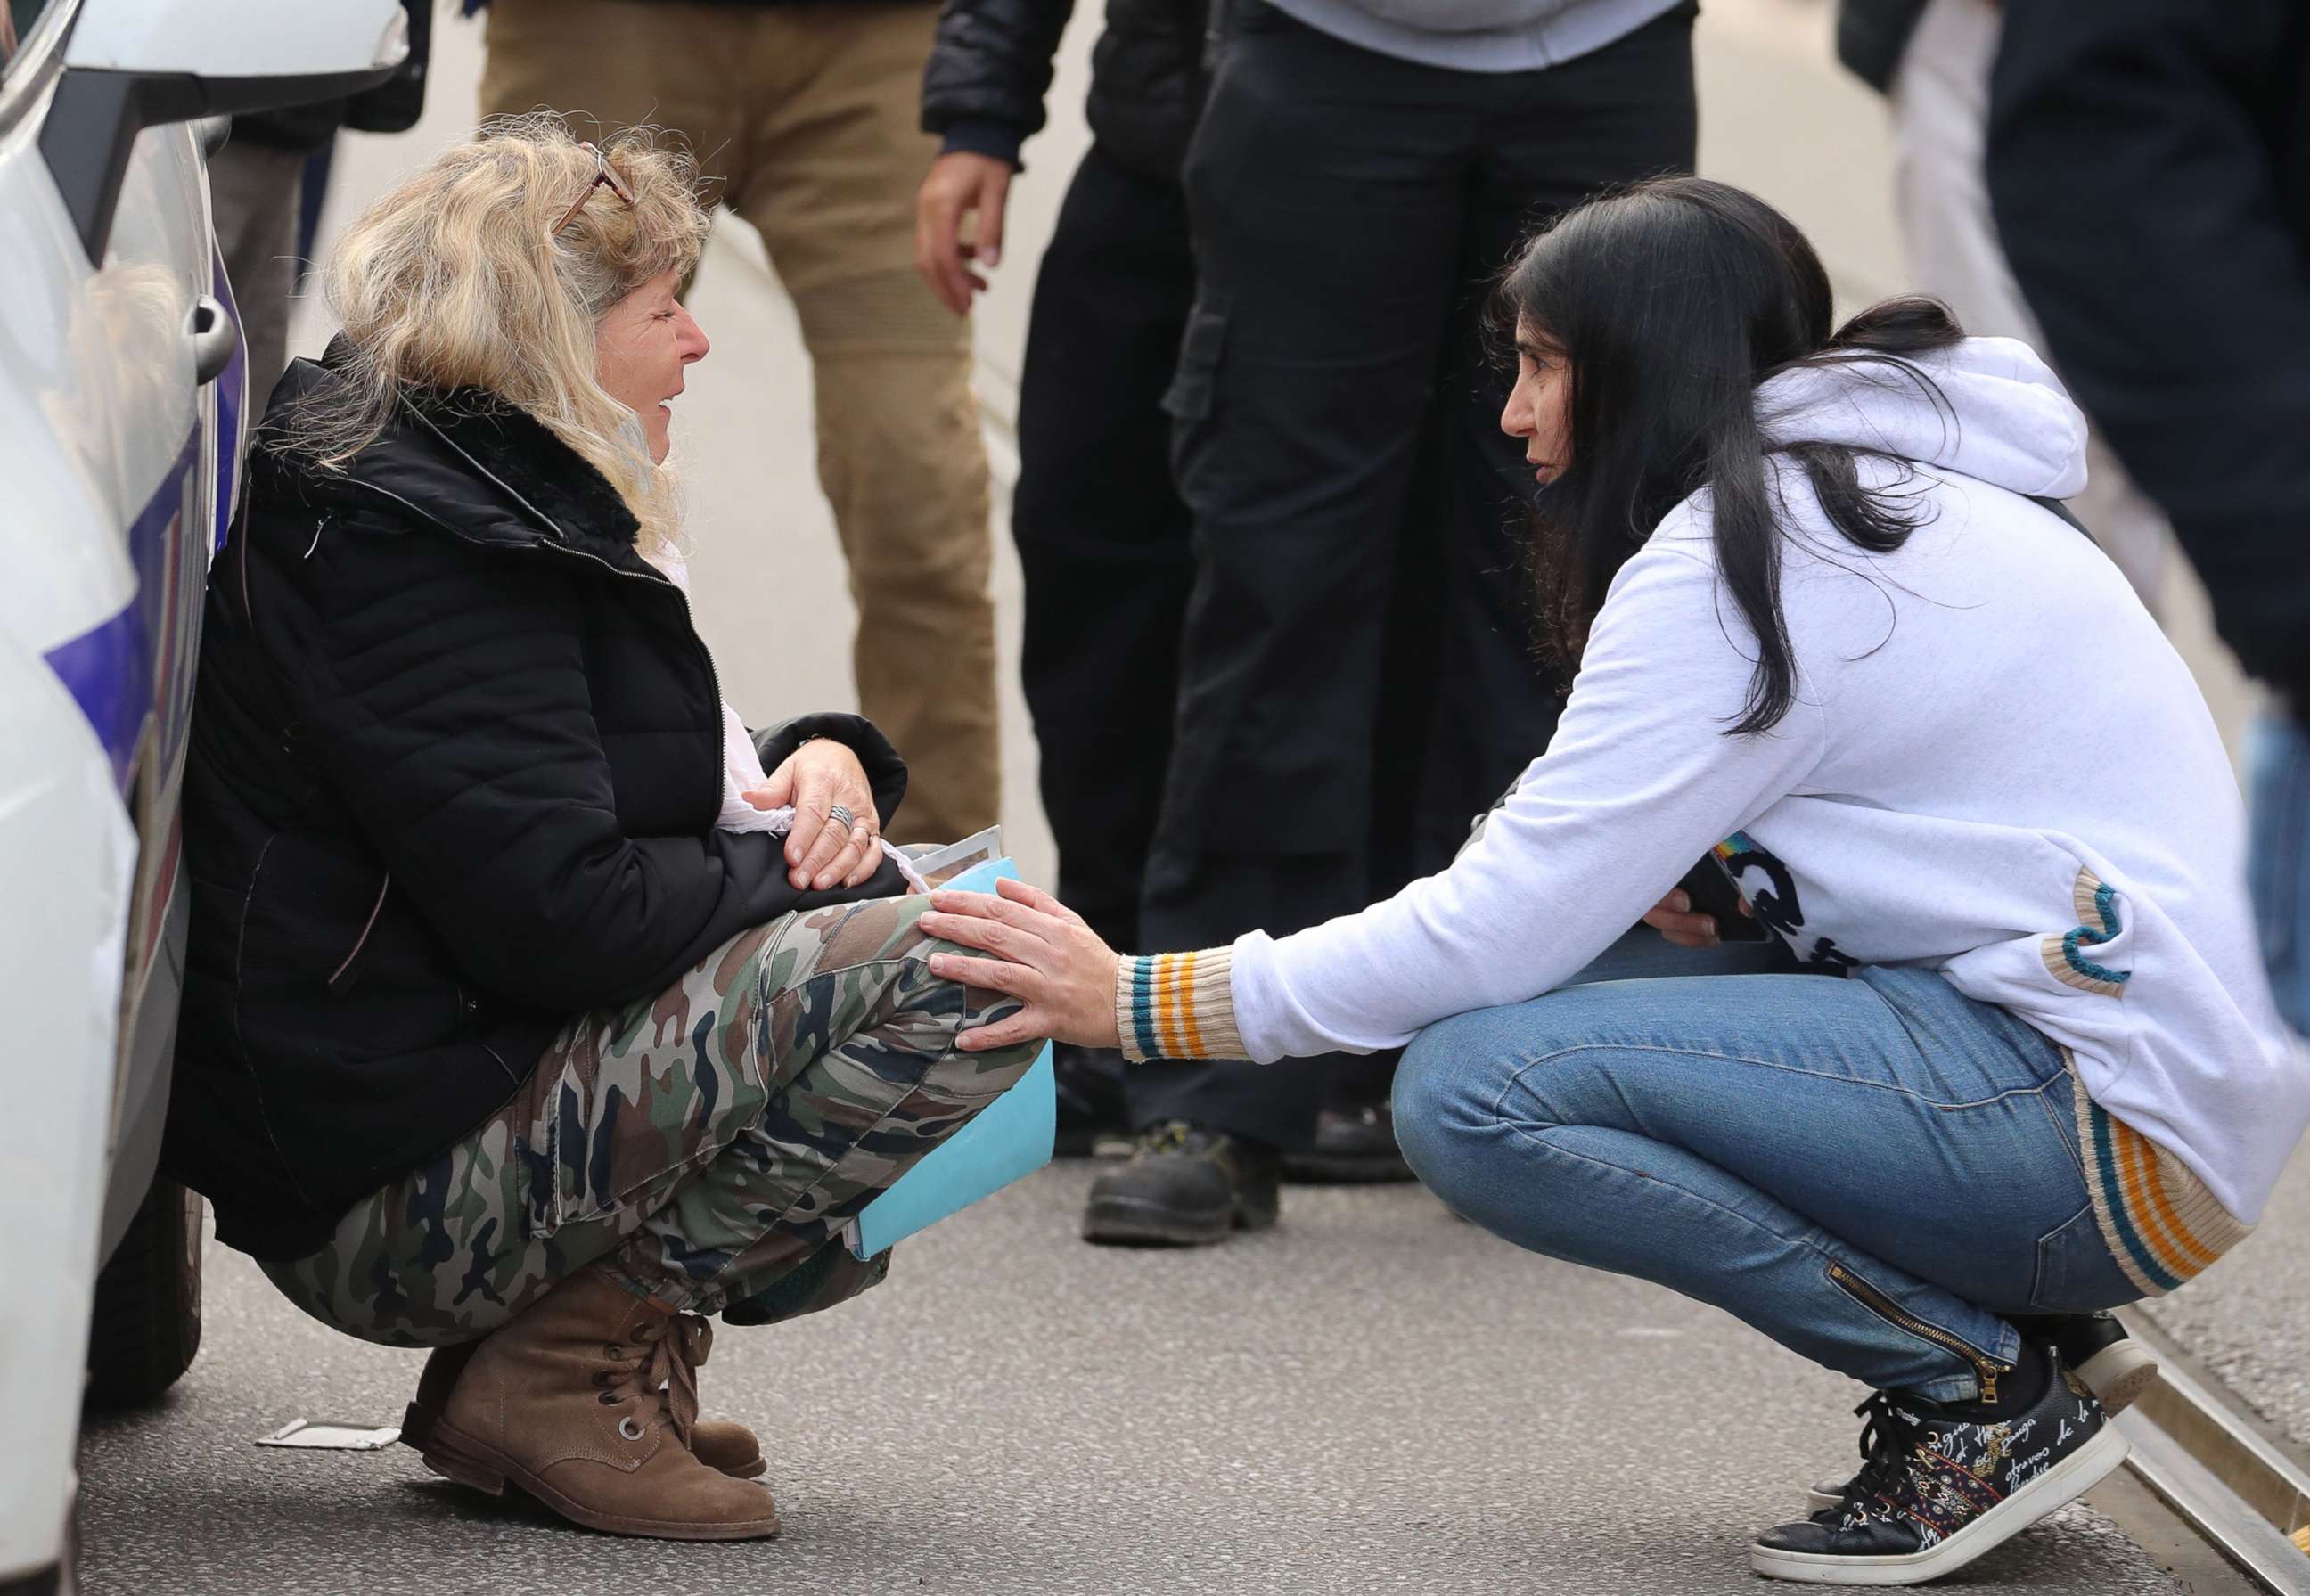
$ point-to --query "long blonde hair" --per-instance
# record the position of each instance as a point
(458, 278)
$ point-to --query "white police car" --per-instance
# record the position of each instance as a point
(121, 425)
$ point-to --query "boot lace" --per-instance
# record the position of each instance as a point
(658, 1372)
(1174, 1136)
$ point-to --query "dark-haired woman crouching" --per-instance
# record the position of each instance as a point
(1832, 628)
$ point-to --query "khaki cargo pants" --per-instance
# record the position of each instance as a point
(806, 117)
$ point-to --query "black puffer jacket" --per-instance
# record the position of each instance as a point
(991, 67)
(457, 758)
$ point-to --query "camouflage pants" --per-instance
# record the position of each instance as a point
(704, 1145)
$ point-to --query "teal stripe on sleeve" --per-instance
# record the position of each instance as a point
(2105, 1157)
(1142, 1006)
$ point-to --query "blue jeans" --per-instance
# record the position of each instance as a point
(1870, 1170)
(2278, 860)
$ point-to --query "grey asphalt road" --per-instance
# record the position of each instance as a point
(1373, 1397)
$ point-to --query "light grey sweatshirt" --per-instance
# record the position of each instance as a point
(1476, 34)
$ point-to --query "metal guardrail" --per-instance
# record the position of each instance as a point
(2217, 1469)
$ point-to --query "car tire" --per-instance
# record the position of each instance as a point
(147, 1323)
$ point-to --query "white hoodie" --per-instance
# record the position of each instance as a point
(1996, 767)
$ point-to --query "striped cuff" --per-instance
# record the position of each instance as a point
(1178, 1005)
(2159, 1221)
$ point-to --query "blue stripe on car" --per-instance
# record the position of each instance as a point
(109, 669)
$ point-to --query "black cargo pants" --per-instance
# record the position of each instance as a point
(1358, 674)
(1104, 547)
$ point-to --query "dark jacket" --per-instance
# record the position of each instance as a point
(2149, 168)
(1872, 34)
(456, 761)
(991, 67)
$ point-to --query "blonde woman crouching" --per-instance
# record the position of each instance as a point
(515, 1027)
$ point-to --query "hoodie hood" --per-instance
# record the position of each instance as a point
(2001, 416)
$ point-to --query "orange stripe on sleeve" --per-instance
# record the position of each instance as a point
(1195, 1032)
(1167, 1004)
(2184, 1255)
(2126, 1150)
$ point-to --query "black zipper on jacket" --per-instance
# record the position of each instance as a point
(705, 654)
(1987, 1367)
(339, 982)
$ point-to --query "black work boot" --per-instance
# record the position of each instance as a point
(1186, 1185)
(1351, 1145)
(1944, 1483)
(2116, 1368)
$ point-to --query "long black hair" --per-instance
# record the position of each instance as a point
(1669, 303)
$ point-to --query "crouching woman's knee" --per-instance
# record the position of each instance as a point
(932, 1014)
(1447, 1091)
(854, 983)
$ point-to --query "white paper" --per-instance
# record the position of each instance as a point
(330, 1437)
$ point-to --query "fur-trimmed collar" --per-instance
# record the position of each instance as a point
(509, 444)
(479, 467)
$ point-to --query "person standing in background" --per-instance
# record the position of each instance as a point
(1102, 536)
(2150, 164)
(1931, 59)
(1358, 674)
(806, 116)
(255, 187)
(256, 194)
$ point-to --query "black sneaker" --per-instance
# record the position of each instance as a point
(1351, 1145)
(2116, 1368)
(1943, 1485)
(1186, 1186)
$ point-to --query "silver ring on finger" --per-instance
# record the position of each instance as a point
(841, 817)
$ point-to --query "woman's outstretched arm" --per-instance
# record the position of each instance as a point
(1641, 780)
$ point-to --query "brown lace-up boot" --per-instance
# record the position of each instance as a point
(719, 1444)
(587, 1401)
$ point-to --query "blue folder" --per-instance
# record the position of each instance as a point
(1009, 1139)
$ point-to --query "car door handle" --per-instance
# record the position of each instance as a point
(215, 337)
